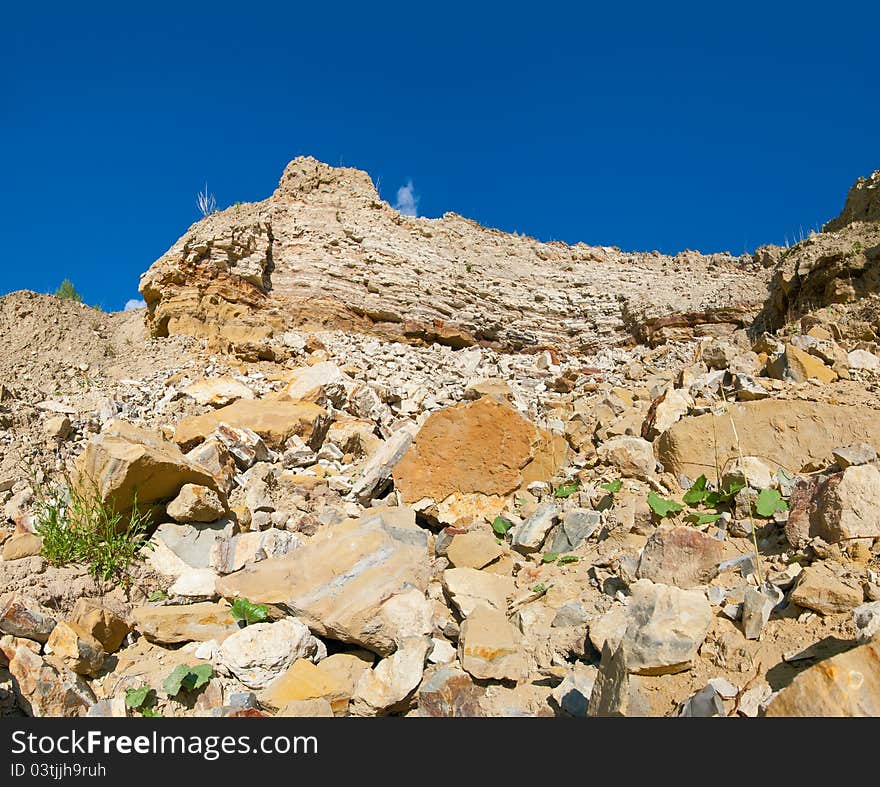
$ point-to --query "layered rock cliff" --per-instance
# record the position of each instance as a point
(325, 251)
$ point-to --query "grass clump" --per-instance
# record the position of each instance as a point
(77, 526)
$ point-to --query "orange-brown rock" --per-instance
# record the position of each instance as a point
(844, 685)
(126, 462)
(482, 447)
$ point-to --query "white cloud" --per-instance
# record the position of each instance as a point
(407, 200)
(134, 303)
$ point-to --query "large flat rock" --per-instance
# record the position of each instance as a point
(795, 435)
(361, 581)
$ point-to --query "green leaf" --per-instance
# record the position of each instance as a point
(769, 502)
(724, 496)
(201, 674)
(566, 490)
(703, 517)
(150, 713)
(612, 486)
(157, 595)
(697, 493)
(567, 559)
(174, 681)
(501, 525)
(135, 698)
(539, 588)
(188, 678)
(661, 506)
(549, 557)
(244, 610)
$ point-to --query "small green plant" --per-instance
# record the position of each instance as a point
(566, 559)
(769, 502)
(501, 525)
(157, 595)
(187, 678)
(612, 487)
(68, 292)
(701, 494)
(142, 700)
(550, 557)
(661, 506)
(77, 526)
(567, 490)
(857, 247)
(244, 611)
(539, 588)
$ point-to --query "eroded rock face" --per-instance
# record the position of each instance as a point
(325, 250)
(862, 203)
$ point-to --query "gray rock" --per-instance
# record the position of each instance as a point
(856, 454)
(22, 616)
(577, 525)
(570, 614)
(376, 471)
(665, 627)
(530, 535)
(757, 605)
(611, 690)
(191, 544)
(573, 694)
(867, 620)
(706, 703)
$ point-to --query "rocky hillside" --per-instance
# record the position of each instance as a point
(384, 465)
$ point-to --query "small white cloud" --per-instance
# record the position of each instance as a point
(407, 200)
(134, 303)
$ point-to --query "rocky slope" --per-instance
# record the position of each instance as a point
(442, 502)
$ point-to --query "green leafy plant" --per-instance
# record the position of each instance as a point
(501, 525)
(661, 506)
(697, 493)
(565, 559)
(539, 588)
(612, 487)
(567, 490)
(142, 700)
(769, 502)
(244, 611)
(187, 678)
(550, 557)
(77, 526)
(68, 292)
(157, 595)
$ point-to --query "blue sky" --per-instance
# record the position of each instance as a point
(657, 126)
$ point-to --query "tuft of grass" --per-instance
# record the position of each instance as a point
(77, 526)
